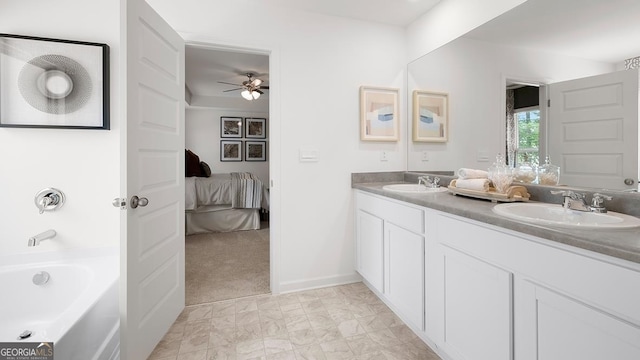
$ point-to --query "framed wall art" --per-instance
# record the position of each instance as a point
(230, 127)
(255, 128)
(230, 150)
(379, 114)
(255, 151)
(430, 116)
(53, 83)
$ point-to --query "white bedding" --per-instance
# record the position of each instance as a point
(214, 190)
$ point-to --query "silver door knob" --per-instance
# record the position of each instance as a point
(629, 181)
(136, 201)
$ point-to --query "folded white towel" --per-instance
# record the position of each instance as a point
(464, 173)
(473, 184)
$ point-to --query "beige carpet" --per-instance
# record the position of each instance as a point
(221, 266)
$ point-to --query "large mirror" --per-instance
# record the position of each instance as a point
(533, 49)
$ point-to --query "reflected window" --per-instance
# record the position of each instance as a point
(527, 135)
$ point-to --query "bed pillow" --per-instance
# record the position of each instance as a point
(191, 164)
(206, 170)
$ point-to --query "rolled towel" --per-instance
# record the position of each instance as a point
(473, 184)
(464, 173)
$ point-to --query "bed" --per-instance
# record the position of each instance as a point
(224, 202)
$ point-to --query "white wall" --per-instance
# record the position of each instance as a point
(202, 136)
(84, 164)
(450, 19)
(322, 62)
(476, 102)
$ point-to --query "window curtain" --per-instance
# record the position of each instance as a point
(511, 129)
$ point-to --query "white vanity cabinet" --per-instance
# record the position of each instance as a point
(498, 294)
(489, 293)
(390, 253)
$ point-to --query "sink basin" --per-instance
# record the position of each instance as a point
(556, 215)
(413, 188)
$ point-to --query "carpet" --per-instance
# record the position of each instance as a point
(221, 266)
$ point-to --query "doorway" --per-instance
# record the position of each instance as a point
(227, 247)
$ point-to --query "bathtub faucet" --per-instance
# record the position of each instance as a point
(35, 240)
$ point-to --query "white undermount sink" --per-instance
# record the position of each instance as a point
(413, 188)
(556, 215)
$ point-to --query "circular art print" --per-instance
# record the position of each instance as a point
(55, 84)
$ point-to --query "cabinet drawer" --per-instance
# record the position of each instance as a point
(404, 216)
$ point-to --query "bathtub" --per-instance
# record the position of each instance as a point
(77, 309)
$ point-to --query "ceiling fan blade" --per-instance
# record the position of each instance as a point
(232, 90)
(222, 82)
(264, 87)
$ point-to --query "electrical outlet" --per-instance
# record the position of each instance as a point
(482, 156)
(384, 156)
(424, 156)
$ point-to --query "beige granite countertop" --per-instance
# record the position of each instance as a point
(622, 244)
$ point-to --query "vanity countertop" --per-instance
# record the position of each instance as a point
(622, 244)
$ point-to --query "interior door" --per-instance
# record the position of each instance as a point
(593, 130)
(153, 246)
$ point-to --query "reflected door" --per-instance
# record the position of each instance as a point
(593, 130)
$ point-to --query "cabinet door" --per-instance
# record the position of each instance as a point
(370, 234)
(552, 326)
(477, 308)
(404, 264)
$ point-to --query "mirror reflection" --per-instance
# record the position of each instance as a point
(500, 77)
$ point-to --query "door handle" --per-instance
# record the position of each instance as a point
(136, 201)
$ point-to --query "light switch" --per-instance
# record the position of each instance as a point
(309, 155)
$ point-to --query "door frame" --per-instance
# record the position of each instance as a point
(274, 131)
(544, 110)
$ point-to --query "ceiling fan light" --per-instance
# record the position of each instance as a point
(257, 82)
(246, 94)
(255, 94)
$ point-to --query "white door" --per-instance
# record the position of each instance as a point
(593, 130)
(153, 246)
(404, 270)
(554, 326)
(369, 242)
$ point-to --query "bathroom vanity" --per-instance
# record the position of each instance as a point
(475, 285)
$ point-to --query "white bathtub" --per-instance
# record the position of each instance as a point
(77, 309)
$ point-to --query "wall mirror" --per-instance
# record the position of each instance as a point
(537, 46)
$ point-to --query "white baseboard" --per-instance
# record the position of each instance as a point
(309, 284)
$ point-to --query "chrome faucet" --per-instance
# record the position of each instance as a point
(576, 201)
(428, 182)
(35, 240)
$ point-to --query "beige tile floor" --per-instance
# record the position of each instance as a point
(341, 322)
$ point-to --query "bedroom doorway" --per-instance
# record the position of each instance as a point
(227, 246)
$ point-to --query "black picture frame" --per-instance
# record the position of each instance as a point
(53, 83)
(255, 128)
(230, 127)
(255, 151)
(230, 150)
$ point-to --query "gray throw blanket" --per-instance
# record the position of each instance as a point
(246, 190)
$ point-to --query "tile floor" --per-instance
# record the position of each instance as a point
(341, 322)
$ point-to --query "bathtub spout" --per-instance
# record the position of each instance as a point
(35, 240)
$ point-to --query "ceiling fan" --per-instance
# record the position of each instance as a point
(251, 88)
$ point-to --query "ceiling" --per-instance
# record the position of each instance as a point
(205, 67)
(599, 30)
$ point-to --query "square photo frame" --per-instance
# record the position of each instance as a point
(255, 128)
(379, 120)
(53, 83)
(430, 116)
(230, 127)
(230, 150)
(255, 151)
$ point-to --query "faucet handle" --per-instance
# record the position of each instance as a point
(598, 199)
(436, 182)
